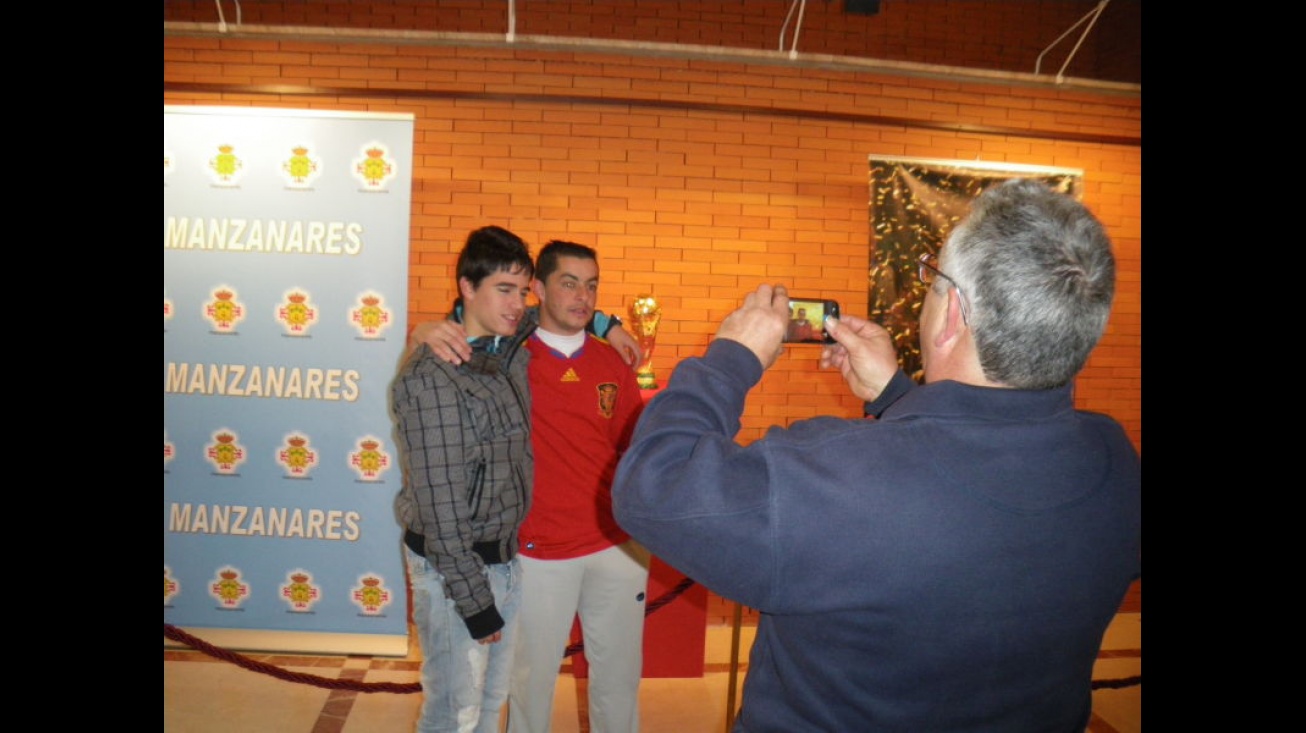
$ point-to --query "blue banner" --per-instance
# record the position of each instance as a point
(285, 298)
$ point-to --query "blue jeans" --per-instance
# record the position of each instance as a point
(464, 684)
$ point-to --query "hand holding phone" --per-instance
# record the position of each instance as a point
(807, 320)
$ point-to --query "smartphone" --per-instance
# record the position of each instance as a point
(807, 320)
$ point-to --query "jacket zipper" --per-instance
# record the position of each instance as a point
(477, 486)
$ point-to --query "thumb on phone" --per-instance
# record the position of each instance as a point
(863, 353)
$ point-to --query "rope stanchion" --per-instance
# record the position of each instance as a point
(182, 637)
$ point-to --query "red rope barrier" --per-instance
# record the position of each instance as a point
(177, 635)
(1116, 684)
(666, 598)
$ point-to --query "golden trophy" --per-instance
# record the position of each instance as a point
(645, 314)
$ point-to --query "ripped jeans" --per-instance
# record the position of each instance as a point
(464, 684)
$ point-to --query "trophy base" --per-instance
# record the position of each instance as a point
(645, 380)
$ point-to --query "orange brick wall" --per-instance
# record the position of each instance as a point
(695, 180)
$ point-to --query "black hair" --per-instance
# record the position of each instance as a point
(493, 249)
(547, 262)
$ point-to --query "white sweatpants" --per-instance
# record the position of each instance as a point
(607, 590)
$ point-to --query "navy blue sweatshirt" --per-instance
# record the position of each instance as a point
(949, 566)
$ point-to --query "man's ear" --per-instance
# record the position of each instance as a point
(950, 328)
(953, 322)
(465, 288)
(537, 287)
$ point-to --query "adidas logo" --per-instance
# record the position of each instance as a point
(570, 376)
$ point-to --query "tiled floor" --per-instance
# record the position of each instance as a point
(207, 694)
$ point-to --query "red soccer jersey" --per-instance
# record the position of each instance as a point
(583, 411)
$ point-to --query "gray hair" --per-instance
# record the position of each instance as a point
(1037, 270)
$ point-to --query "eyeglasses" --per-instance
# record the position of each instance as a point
(928, 270)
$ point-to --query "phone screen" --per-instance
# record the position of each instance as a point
(807, 319)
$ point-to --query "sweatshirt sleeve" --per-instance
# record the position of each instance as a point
(688, 492)
(898, 386)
